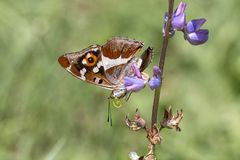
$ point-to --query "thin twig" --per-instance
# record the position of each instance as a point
(162, 61)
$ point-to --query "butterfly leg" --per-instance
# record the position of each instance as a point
(128, 96)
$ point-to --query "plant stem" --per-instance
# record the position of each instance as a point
(162, 62)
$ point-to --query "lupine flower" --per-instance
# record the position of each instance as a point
(191, 30)
(134, 83)
(178, 19)
(136, 71)
(155, 81)
(194, 34)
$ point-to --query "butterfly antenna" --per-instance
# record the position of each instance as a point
(109, 119)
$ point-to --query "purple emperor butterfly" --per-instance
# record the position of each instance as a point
(106, 65)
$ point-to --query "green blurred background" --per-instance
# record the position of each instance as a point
(46, 114)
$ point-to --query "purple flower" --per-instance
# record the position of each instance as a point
(136, 82)
(191, 30)
(195, 25)
(136, 71)
(194, 34)
(155, 80)
(133, 83)
(179, 17)
(156, 71)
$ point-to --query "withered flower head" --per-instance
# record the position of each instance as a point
(137, 123)
(170, 121)
(153, 135)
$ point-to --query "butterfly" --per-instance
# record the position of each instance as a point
(106, 65)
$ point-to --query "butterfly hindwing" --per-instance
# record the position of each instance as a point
(86, 66)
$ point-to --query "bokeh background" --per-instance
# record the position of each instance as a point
(46, 114)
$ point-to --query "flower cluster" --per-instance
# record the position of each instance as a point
(153, 134)
(192, 30)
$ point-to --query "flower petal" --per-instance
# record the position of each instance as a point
(156, 71)
(194, 25)
(128, 81)
(154, 82)
(199, 37)
(181, 8)
(179, 22)
(136, 70)
(179, 18)
(133, 83)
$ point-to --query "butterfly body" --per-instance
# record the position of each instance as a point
(105, 65)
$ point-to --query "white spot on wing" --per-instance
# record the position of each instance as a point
(88, 55)
(97, 80)
(84, 61)
(99, 64)
(83, 71)
(109, 63)
(83, 77)
(95, 49)
(69, 68)
(95, 69)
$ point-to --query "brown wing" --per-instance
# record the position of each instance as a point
(78, 64)
(121, 46)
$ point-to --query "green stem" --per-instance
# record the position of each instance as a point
(162, 62)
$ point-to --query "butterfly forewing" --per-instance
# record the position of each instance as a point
(119, 50)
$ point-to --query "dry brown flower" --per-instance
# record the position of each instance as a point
(137, 123)
(170, 121)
